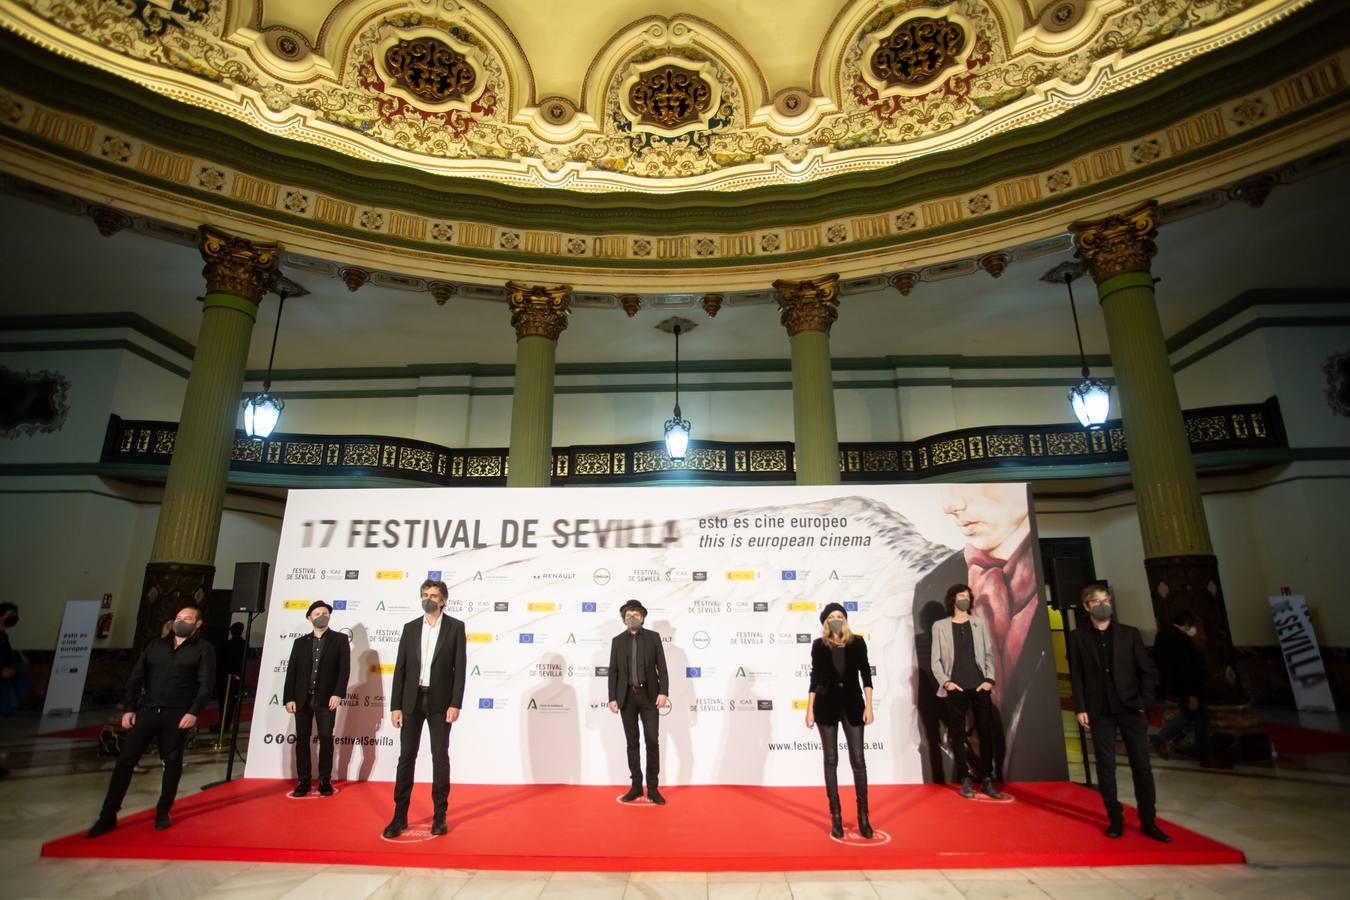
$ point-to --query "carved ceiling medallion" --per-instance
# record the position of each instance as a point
(430, 70)
(670, 96)
(917, 54)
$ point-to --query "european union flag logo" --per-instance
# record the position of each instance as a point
(789, 574)
(851, 605)
(588, 607)
(339, 604)
(693, 672)
(434, 575)
(527, 638)
(485, 703)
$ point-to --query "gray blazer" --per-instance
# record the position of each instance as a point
(944, 652)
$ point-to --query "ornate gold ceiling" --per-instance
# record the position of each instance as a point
(564, 95)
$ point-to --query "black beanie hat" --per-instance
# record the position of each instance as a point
(829, 608)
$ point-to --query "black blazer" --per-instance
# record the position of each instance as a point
(840, 696)
(448, 667)
(335, 666)
(651, 661)
(1132, 671)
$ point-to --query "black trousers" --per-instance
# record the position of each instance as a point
(314, 710)
(1133, 730)
(637, 705)
(159, 723)
(978, 702)
(410, 740)
(829, 744)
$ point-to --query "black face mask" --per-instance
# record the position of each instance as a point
(11, 620)
(430, 606)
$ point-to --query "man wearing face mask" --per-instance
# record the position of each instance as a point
(963, 665)
(428, 689)
(1183, 676)
(316, 682)
(178, 675)
(638, 688)
(1114, 685)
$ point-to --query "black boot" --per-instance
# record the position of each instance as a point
(836, 813)
(634, 793)
(864, 824)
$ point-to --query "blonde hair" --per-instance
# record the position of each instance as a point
(845, 637)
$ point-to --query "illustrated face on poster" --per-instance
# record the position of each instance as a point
(733, 580)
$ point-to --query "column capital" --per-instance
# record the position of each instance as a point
(538, 310)
(808, 305)
(235, 265)
(1118, 244)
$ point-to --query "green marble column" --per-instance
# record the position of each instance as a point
(1179, 559)
(182, 557)
(539, 315)
(809, 309)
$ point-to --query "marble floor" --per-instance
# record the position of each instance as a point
(1291, 818)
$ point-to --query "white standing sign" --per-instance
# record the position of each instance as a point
(1302, 656)
(70, 666)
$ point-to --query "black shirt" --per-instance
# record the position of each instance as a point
(634, 679)
(1110, 698)
(837, 657)
(965, 672)
(314, 667)
(181, 677)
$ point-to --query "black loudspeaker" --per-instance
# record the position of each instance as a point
(250, 587)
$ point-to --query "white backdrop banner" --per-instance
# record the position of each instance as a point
(733, 578)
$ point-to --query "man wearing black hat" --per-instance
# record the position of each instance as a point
(638, 685)
(316, 682)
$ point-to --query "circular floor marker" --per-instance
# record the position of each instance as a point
(641, 801)
(851, 838)
(414, 834)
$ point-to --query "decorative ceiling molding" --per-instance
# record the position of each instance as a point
(1008, 71)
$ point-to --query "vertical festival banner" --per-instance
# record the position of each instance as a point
(733, 579)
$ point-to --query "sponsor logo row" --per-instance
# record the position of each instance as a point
(598, 576)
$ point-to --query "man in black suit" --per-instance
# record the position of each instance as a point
(1114, 685)
(316, 682)
(428, 688)
(638, 685)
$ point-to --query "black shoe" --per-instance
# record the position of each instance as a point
(864, 824)
(325, 789)
(987, 787)
(102, 826)
(162, 820)
(967, 789)
(1152, 830)
(301, 790)
(634, 793)
(655, 796)
(1160, 746)
(395, 828)
(438, 827)
(1115, 830)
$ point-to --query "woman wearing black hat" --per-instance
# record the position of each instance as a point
(838, 667)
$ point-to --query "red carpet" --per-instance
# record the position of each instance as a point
(561, 827)
(1295, 739)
